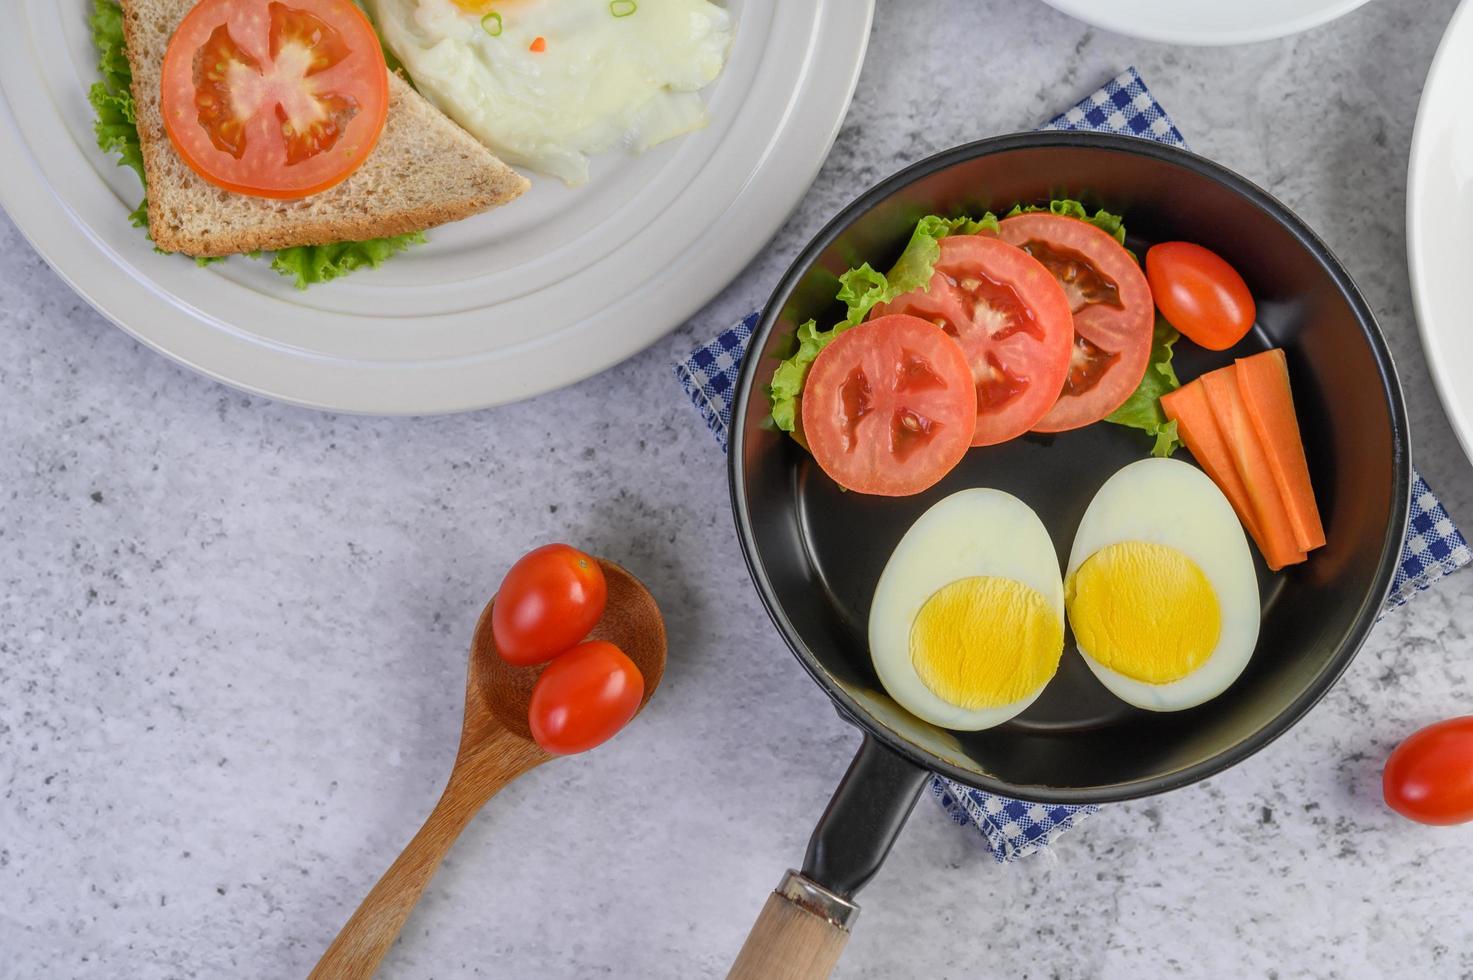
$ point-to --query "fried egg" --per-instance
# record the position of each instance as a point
(546, 83)
(967, 624)
(1160, 587)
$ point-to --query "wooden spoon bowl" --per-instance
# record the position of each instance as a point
(496, 747)
(631, 622)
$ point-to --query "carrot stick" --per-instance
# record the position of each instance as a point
(1198, 429)
(1276, 535)
(1263, 381)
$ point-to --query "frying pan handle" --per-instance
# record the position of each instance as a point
(805, 924)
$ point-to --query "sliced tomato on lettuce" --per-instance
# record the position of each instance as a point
(860, 290)
(1012, 320)
(890, 407)
(1113, 312)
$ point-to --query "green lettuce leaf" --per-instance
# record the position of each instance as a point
(309, 264)
(1112, 224)
(787, 380)
(112, 97)
(1142, 410)
(861, 290)
(116, 127)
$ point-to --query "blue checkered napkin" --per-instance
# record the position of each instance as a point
(1434, 546)
(1015, 828)
(1124, 106)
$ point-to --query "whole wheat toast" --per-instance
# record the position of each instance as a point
(424, 171)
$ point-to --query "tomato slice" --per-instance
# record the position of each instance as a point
(274, 99)
(1012, 320)
(889, 406)
(1113, 313)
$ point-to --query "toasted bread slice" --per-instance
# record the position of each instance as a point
(424, 171)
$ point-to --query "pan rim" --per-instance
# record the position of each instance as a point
(1371, 604)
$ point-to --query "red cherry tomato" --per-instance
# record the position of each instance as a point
(1429, 778)
(547, 603)
(584, 697)
(1200, 294)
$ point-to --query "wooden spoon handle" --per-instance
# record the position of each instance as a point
(361, 944)
(800, 934)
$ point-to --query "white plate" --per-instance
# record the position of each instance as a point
(556, 286)
(1206, 21)
(1440, 221)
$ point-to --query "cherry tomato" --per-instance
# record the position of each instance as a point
(274, 99)
(890, 406)
(1012, 320)
(1200, 294)
(1113, 320)
(547, 603)
(1429, 778)
(584, 697)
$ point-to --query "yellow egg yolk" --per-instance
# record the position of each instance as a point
(985, 642)
(484, 6)
(1144, 610)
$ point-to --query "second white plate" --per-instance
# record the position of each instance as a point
(1206, 21)
(1440, 221)
(544, 292)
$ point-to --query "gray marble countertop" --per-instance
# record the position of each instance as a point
(233, 633)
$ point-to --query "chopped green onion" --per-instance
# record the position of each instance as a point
(622, 8)
(491, 23)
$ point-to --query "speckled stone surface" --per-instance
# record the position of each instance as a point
(233, 633)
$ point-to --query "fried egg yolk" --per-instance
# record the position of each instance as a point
(984, 642)
(1144, 610)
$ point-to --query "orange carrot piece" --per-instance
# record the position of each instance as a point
(1197, 427)
(1263, 381)
(1276, 534)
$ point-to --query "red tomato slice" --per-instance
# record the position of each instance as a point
(1113, 313)
(274, 99)
(889, 406)
(1012, 320)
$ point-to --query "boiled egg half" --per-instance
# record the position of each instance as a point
(1160, 587)
(967, 624)
(546, 83)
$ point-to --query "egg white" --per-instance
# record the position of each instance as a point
(1172, 503)
(600, 82)
(981, 532)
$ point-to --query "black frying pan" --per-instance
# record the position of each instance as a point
(816, 553)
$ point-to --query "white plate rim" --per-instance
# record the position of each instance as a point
(200, 339)
(1106, 17)
(1458, 405)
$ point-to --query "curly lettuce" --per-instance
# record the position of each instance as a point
(116, 128)
(1111, 224)
(1142, 410)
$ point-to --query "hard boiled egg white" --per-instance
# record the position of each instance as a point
(967, 625)
(545, 83)
(1160, 587)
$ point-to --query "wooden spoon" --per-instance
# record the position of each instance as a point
(496, 747)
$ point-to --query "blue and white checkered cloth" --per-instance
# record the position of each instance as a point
(1014, 828)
